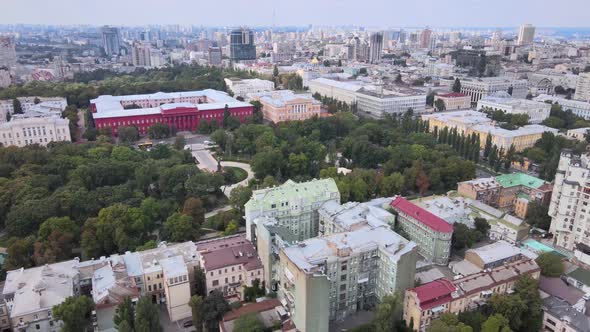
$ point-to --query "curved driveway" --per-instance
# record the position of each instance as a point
(246, 167)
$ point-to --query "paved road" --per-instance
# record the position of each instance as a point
(205, 159)
(217, 211)
(227, 189)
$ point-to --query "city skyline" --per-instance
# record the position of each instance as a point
(266, 12)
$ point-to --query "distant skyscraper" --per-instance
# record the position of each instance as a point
(214, 56)
(242, 45)
(375, 47)
(141, 54)
(7, 53)
(425, 38)
(111, 41)
(526, 34)
(497, 36)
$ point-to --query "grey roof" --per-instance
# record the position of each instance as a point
(561, 309)
(496, 251)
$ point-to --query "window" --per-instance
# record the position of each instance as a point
(160, 285)
(37, 327)
(215, 283)
(343, 277)
(226, 280)
(150, 288)
(211, 273)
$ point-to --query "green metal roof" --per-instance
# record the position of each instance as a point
(581, 275)
(311, 190)
(519, 179)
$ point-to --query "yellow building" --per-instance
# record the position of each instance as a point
(284, 105)
(427, 302)
(473, 122)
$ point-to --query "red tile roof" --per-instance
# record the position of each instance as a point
(434, 293)
(452, 95)
(430, 220)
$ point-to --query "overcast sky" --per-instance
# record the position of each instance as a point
(379, 13)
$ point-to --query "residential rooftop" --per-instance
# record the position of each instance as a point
(299, 193)
(308, 255)
(519, 179)
(496, 251)
(235, 250)
(423, 216)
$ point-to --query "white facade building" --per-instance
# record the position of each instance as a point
(477, 88)
(537, 111)
(578, 133)
(242, 87)
(579, 108)
(34, 130)
(393, 102)
(344, 91)
(570, 215)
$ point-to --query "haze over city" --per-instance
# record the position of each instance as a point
(382, 13)
(294, 166)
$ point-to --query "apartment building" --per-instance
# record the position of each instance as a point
(454, 208)
(350, 268)
(559, 315)
(427, 302)
(167, 275)
(455, 101)
(164, 274)
(485, 190)
(285, 105)
(583, 87)
(473, 122)
(478, 88)
(111, 284)
(230, 263)
(392, 101)
(431, 233)
(30, 294)
(518, 190)
(536, 111)
(509, 192)
(243, 87)
(570, 217)
(294, 205)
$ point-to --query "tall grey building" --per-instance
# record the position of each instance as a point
(7, 53)
(242, 45)
(215, 56)
(526, 34)
(111, 40)
(375, 47)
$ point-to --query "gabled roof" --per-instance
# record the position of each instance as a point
(434, 293)
(428, 219)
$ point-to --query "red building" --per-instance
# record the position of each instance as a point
(182, 110)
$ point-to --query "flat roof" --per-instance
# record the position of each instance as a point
(496, 251)
(519, 179)
(309, 254)
(233, 250)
